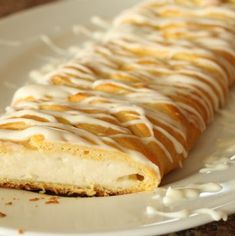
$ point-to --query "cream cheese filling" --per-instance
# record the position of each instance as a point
(65, 168)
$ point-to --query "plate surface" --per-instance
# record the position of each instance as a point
(22, 49)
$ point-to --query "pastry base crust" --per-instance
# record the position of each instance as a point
(64, 189)
(21, 158)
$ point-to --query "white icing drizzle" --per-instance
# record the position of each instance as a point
(214, 214)
(74, 117)
(163, 147)
(172, 124)
(178, 146)
(38, 91)
(151, 211)
(217, 164)
(172, 196)
(218, 161)
(192, 191)
(52, 45)
(197, 12)
(137, 79)
(96, 20)
(56, 132)
(77, 29)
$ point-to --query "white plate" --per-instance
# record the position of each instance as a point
(120, 215)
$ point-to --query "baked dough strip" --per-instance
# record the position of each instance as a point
(128, 108)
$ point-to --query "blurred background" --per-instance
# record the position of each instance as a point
(9, 6)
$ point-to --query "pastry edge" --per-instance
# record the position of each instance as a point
(66, 189)
(75, 190)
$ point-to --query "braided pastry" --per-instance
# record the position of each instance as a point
(129, 108)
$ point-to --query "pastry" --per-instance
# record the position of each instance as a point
(128, 108)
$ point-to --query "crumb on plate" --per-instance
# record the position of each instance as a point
(2, 215)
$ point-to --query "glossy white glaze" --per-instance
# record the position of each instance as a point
(148, 57)
(214, 214)
(192, 191)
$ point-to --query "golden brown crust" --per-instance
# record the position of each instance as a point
(65, 189)
(143, 96)
(150, 181)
